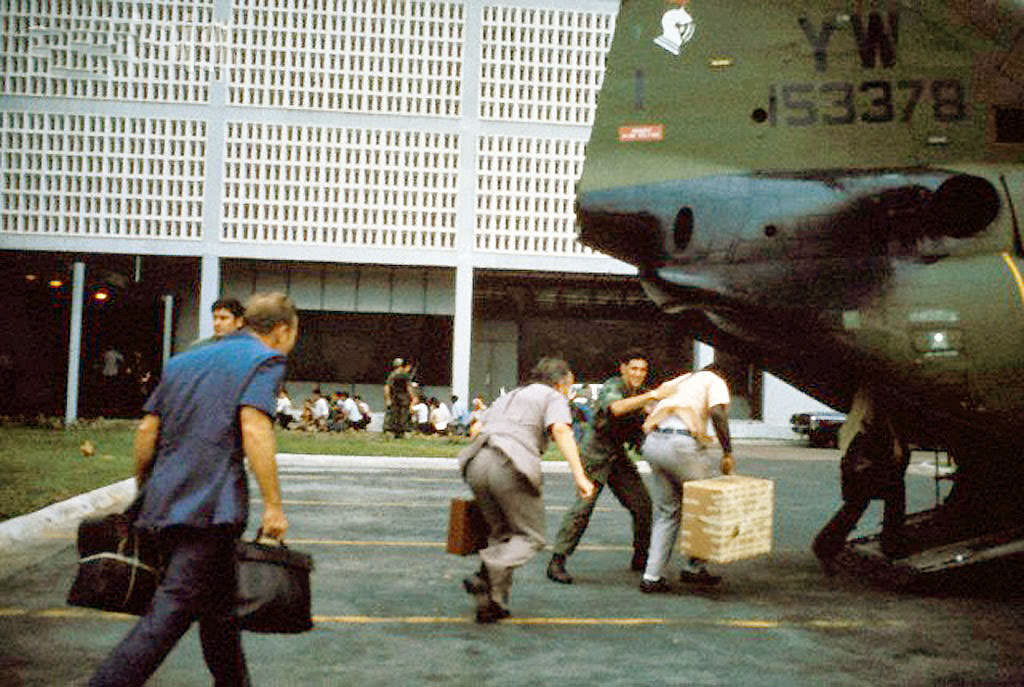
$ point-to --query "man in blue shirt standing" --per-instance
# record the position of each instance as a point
(213, 407)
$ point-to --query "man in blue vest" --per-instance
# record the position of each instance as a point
(213, 407)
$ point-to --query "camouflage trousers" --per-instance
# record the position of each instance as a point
(622, 477)
(397, 419)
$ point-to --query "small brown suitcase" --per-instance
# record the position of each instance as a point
(467, 529)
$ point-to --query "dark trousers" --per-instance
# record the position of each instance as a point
(199, 584)
(625, 482)
(832, 537)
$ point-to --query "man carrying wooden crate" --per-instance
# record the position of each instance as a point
(676, 448)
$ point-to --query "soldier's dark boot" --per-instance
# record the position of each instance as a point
(556, 570)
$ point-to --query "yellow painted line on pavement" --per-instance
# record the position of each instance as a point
(750, 624)
(322, 620)
(354, 542)
(426, 620)
(385, 544)
(347, 476)
(420, 544)
(397, 504)
(587, 621)
(382, 620)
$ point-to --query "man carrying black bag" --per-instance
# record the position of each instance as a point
(212, 407)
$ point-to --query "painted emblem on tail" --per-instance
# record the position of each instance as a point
(677, 29)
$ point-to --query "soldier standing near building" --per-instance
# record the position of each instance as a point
(398, 392)
(618, 419)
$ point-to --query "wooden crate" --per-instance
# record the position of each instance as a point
(727, 518)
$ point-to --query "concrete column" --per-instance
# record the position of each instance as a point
(469, 129)
(168, 327)
(462, 331)
(213, 192)
(209, 292)
(75, 343)
(703, 355)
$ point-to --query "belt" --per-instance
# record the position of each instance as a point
(672, 430)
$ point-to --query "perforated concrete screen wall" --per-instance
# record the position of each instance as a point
(372, 56)
(95, 175)
(342, 123)
(352, 187)
(542, 65)
(525, 194)
(144, 51)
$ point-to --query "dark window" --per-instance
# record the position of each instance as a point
(682, 230)
(357, 348)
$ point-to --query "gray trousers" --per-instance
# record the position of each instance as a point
(674, 459)
(515, 513)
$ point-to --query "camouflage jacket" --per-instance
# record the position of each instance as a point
(606, 436)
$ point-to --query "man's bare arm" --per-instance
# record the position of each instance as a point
(563, 436)
(631, 403)
(144, 447)
(720, 421)
(260, 445)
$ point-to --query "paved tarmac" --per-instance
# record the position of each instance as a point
(389, 608)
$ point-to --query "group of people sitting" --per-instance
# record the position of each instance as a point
(432, 416)
(341, 413)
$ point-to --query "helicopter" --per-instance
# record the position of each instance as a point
(832, 189)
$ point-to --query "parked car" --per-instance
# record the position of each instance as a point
(821, 427)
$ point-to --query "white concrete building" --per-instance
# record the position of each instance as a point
(404, 169)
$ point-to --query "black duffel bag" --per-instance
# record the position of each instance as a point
(119, 569)
(273, 587)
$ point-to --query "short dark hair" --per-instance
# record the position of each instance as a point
(548, 371)
(632, 354)
(264, 311)
(714, 367)
(231, 304)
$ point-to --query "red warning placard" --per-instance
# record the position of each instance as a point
(639, 133)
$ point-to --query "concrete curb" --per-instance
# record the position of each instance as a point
(54, 519)
(59, 520)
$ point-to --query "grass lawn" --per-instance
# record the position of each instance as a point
(42, 465)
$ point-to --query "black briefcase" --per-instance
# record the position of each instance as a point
(273, 588)
(119, 570)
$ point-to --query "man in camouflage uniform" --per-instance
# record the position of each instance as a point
(618, 419)
(398, 392)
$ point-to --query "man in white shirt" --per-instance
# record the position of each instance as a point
(421, 416)
(350, 413)
(364, 411)
(440, 416)
(321, 410)
(676, 448)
